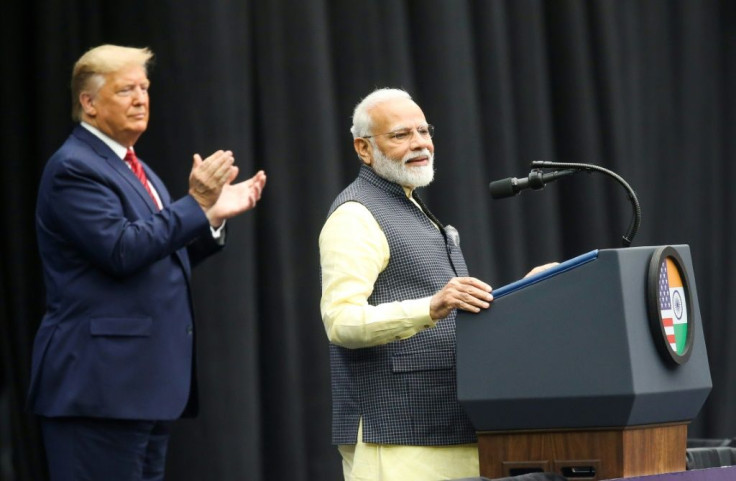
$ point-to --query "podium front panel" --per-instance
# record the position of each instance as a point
(575, 350)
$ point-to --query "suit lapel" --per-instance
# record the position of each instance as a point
(157, 184)
(117, 164)
(127, 174)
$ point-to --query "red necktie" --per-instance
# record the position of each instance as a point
(137, 169)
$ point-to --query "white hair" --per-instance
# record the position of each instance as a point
(362, 121)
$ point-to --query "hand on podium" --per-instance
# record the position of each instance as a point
(541, 268)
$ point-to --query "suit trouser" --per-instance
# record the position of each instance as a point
(81, 449)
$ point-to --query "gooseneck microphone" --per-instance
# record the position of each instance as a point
(537, 179)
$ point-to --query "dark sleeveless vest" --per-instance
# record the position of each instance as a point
(405, 391)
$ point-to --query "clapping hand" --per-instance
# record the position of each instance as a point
(210, 183)
(208, 176)
(237, 198)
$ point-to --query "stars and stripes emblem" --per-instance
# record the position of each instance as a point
(672, 306)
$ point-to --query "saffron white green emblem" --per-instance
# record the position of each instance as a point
(669, 305)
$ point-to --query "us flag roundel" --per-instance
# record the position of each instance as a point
(669, 305)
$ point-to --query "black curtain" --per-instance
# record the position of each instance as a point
(644, 88)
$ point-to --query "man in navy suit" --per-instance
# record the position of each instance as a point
(113, 360)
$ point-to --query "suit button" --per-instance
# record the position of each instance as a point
(190, 329)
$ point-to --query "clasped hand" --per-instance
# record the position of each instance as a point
(210, 183)
(466, 293)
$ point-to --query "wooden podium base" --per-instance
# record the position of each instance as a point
(585, 454)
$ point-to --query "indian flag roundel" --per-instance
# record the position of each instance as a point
(672, 305)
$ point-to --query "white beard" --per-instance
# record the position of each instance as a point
(397, 171)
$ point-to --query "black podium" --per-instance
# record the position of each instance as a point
(569, 371)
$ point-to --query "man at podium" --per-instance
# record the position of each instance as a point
(392, 278)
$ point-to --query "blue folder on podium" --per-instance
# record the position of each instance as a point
(540, 276)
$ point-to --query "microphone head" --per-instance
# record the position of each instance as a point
(503, 188)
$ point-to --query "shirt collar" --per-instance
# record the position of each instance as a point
(119, 149)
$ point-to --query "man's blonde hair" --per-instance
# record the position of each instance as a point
(89, 72)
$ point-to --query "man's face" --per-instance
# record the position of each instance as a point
(411, 151)
(120, 108)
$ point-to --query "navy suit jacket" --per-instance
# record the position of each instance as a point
(117, 339)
